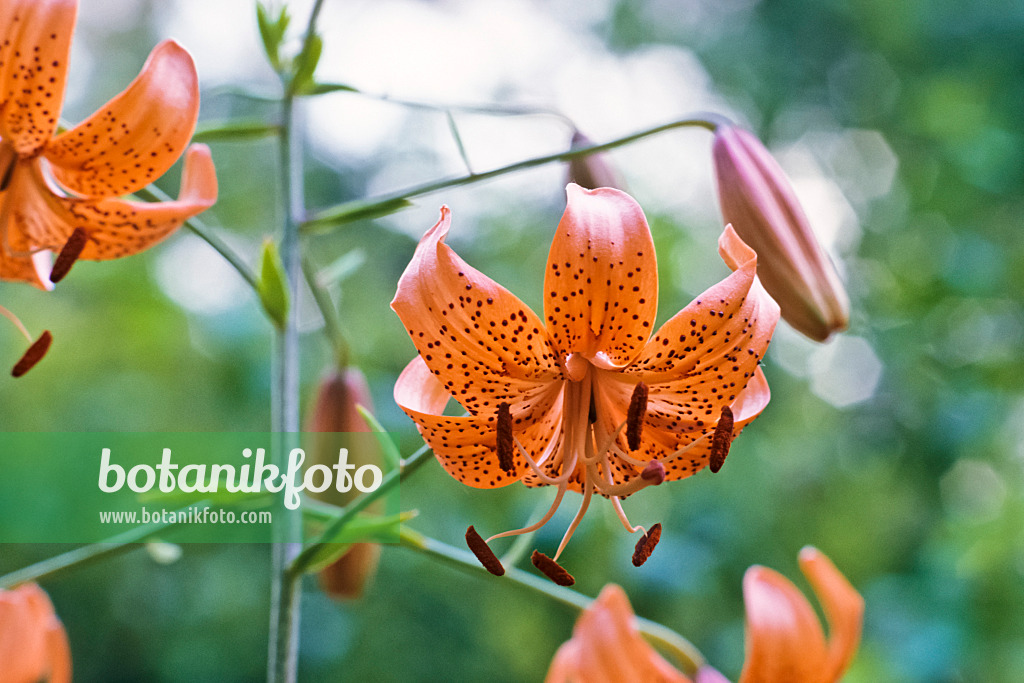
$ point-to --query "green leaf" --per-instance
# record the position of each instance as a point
(326, 88)
(273, 285)
(391, 455)
(361, 529)
(234, 130)
(305, 64)
(348, 212)
(272, 32)
(341, 268)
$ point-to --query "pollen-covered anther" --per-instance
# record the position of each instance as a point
(34, 354)
(654, 472)
(551, 569)
(721, 440)
(505, 442)
(635, 415)
(69, 253)
(484, 553)
(645, 546)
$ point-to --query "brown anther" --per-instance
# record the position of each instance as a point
(635, 415)
(654, 472)
(504, 442)
(645, 546)
(721, 440)
(483, 552)
(551, 569)
(34, 354)
(68, 255)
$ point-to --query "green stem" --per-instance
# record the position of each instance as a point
(155, 194)
(338, 213)
(89, 554)
(332, 325)
(391, 480)
(667, 640)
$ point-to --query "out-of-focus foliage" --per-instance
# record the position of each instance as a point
(897, 449)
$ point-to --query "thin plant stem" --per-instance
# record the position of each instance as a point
(687, 656)
(328, 311)
(336, 214)
(391, 480)
(286, 586)
(83, 556)
(155, 194)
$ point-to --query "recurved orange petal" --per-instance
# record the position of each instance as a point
(465, 445)
(727, 328)
(481, 342)
(844, 610)
(134, 138)
(33, 644)
(606, 647)
(601, 282)
(33, 67)
(117, 227)
(785, 643)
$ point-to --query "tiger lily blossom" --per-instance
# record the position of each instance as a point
(61, 191)
(607, 648)
(785, 642)
(588, 400)
(33, 643)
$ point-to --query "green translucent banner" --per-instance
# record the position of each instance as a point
(193, 487)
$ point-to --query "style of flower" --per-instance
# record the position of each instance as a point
(590, 401)
(33, 644)
(785, 643)
(607, 648)
(758, 200)
(60, 192)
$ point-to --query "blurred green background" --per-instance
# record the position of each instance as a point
(897, 448)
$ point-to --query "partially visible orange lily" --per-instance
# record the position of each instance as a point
(589, 400)
(607, 648)
(33, 644)
(785, 642)
(61, 192)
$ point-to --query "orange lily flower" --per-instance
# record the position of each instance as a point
(61, 192)
(606, 647)
(33, 644)
(785, 643)
(589, 402)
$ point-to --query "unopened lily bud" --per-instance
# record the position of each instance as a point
(349, 575)
(335, 411)
(594, 170)
(758, 200)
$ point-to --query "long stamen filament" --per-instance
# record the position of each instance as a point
(16, 321)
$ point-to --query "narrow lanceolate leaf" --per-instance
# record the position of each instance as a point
(392, 457)
(353, 211)
(327, 88)
(341, 268)
(235, 130)
(272, 285)
(305, 65)
(272, 33)
(362, 528)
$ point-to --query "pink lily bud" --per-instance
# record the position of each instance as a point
(758, 200)
(335, 411)
(594, 170)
